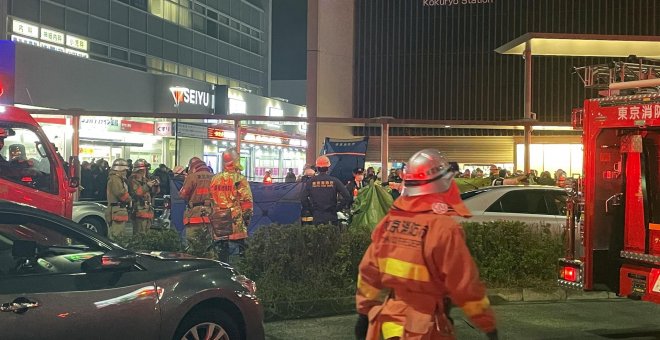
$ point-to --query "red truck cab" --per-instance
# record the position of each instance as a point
(31, 169)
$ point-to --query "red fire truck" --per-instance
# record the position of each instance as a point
(31, 169)
(613, 222)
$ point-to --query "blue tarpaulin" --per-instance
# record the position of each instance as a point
(345, 155)
(273, 203)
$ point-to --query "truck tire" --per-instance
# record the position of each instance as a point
(95, 224)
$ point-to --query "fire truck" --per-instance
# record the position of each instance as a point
(613, 210)
(31, 169)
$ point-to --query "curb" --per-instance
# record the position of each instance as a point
(503, 295)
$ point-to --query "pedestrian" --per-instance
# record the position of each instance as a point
(141, 189)
(357, 183)
(233, 208)
(306, 215)
(502, 179)
(320, 195)
(268, 177)
(371, 175)
(197, 194)
(119, 199)
(419, 262)
(290, 176)
(163, 174)
(466, 173)
(546, 179)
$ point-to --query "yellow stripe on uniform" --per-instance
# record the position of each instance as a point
(392, 330)
(403, 269)
(473, 308)
(368, 291)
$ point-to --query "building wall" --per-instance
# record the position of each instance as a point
(438, 62)
(223, 42)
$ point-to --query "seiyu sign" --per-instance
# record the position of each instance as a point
(190, 96)
(183, 95)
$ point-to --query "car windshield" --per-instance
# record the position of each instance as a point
(473, 193)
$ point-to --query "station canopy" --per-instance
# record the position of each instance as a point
(584, 45)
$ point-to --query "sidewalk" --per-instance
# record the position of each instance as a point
(504, 295)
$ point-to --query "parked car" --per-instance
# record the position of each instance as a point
(531, 204)
(61, 281)
(90, 215)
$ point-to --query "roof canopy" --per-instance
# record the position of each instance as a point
(560, 44)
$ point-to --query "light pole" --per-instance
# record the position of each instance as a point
(177, 94)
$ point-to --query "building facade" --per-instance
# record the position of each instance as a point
(435, 60)
(219, 42)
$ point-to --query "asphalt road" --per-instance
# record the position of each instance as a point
(595, 319)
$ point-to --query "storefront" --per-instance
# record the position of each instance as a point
(89, 85)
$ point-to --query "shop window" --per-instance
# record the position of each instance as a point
(170, 67)
(211, 28)
(26, 161)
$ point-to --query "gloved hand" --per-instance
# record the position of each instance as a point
(361, 327)
(492, 335)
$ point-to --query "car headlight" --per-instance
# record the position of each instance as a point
(248, 284)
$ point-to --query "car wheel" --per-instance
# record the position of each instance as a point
(95, 224)
(207, 324)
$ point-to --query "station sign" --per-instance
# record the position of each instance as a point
(52, 36)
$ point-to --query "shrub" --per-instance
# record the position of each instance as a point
(514, 254)
(163, 240)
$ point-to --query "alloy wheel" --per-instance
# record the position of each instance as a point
(207, 331)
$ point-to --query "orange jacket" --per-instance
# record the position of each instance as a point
(233, 204)
(196, 191)
(417, 258)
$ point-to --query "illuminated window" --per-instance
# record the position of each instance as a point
(222, 81)
(170, 11)
(170, 67)
(211, 78)
(156, 7)
(184, 17)
(155, 63)
(233, 83)
(198, 74)
(185, 71)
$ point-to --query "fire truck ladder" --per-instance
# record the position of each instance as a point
(630, 77)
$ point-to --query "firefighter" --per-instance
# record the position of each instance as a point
(119, 200)
(320, 195)
(141, 188)
(418, 262)
(196, 193)
(357, 182)
(233, 207)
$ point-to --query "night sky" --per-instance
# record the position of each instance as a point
(289, 41)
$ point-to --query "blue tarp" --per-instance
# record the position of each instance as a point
(273, 203)
(345, 155)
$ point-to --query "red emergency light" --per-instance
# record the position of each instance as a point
(569, 274)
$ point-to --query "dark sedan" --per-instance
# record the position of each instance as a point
(61, 281)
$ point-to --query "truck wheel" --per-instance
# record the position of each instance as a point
(95, 224)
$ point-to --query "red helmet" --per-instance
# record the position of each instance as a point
(323, 162)
(230, 160)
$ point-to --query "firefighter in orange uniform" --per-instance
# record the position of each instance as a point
(233, 207)
(119, 200)
(141, 188)
(418, 261)
(195, 191)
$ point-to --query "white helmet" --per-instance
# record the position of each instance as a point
(427, 172)
(120, 165)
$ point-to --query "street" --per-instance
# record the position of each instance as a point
(596, 319)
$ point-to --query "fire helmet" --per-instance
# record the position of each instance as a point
(231, 160)
(3, 133)
(427, 172)
(323, 162)
(140, 164)
(120, 164)
(195, 164)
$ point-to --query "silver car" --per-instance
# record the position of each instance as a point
(90, 215)
(531, 204)
(61, 281)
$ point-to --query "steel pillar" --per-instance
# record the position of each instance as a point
(528, 104)
(312, 77)
(239, 132)
(384, 149)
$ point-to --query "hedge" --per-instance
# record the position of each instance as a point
(310, 271)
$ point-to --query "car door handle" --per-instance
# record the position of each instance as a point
(19, 306)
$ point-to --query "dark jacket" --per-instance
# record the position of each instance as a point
(320, 197)
(352, 185)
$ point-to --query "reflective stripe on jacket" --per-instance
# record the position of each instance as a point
(417, 257)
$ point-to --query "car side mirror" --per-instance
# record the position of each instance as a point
(114, 260)
(24, 249)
